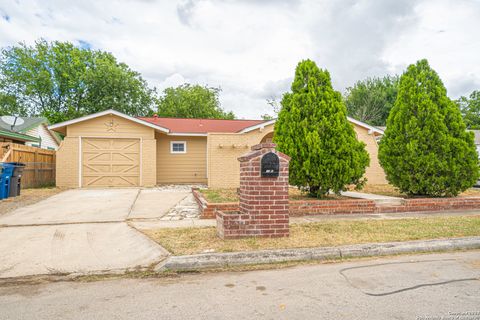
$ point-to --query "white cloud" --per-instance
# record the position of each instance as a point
(250, 48)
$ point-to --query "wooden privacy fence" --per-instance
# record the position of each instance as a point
(40, 163)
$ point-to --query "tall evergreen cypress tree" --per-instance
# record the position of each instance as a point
(312, 128)
(426, 149)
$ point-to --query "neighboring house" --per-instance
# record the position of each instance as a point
(110, 149)
(477, 140)
(15, 137)
(37, 129)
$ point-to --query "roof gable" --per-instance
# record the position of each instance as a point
(59, 126)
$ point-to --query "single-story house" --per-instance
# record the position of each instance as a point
(33, 131)
(111, 149)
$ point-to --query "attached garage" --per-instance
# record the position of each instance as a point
(110, 162)
(107, 149)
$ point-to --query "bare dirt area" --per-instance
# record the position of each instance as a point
(27, 197)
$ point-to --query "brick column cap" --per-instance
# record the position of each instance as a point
(260, 149)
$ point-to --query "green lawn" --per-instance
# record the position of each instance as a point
(328, 233)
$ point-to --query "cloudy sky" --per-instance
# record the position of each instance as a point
(250, 47)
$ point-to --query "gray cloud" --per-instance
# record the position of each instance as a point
(185, 11)
(463, 86)
(352, 36)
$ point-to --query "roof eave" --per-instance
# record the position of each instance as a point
(258, 126)
(18, 136)
(187, 134)
(269, 122)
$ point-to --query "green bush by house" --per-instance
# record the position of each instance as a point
(426, 149)
(312, 128)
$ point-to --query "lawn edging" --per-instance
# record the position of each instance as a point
(222, 260)
(354, 206)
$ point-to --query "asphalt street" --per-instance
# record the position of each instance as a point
(407, 287)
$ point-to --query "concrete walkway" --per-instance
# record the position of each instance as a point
(379, 199)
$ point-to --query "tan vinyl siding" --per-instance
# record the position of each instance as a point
(189, 167)
(41, 131)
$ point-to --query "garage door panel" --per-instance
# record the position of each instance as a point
(95, 156)
(110, 162)
(111, 181)
(124, 157)
(125, 169)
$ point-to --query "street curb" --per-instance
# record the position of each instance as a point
(221, 260)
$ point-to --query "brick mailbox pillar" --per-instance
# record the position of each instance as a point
(263, 196)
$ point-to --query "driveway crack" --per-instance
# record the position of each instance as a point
(133, 203)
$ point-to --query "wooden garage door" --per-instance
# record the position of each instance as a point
(110, 162)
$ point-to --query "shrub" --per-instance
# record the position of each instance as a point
(312, 128)
(426, 149)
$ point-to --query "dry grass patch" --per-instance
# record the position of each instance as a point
(389, 190)
(329, 233)
(27, 197)
(230, 195)
(220, 195)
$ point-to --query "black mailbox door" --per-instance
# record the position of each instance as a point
(270, 165)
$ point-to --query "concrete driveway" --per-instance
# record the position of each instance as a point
(83, 230)
(95, 205)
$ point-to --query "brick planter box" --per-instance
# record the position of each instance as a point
(433, 204)
(354, 206)
(207, 209)
(310, 207)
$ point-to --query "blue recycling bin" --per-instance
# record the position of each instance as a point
(5, 179)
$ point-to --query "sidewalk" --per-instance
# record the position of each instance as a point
(200, 223)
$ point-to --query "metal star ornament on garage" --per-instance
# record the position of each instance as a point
(111, 126)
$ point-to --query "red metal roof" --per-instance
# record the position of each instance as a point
(179, 125)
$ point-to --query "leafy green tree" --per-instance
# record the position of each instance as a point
(426, 149)
(312, 128)
(372, 99)
(267, 117)
(470, 108)
(61, 81)
(192, 101)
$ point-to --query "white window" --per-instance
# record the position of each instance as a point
(178, 147)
